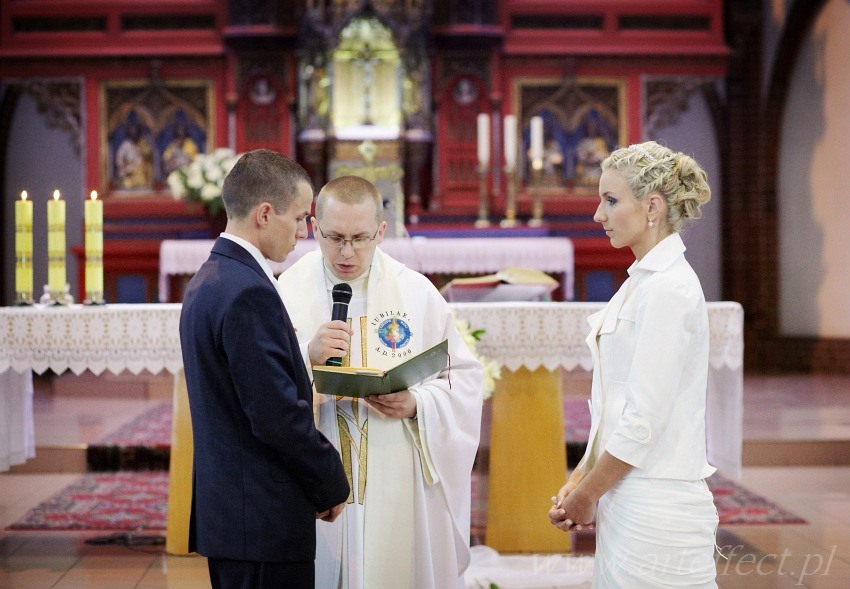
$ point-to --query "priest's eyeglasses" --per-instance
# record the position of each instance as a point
(357, 243)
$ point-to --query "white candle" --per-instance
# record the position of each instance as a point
(510, 141)
(483, 139)
(536, 139)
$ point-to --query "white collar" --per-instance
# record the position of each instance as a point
(255, 253)
(358, 285)
(661, 256)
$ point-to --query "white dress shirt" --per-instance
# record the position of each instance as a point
(255, 253)
(650, 347)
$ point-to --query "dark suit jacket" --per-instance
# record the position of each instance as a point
(261, 469)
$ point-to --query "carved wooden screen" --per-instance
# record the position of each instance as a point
(262, 115)
(464, 97)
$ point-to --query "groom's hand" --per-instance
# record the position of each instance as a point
(331, 514)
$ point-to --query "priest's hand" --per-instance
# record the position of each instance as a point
(400, 405)
(332, 340)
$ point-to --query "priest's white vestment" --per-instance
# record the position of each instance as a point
(417, 494)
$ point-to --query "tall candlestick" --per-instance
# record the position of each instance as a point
(23, 250)
(483, 204)
(94, 248)
(510, 171)
(56, 277)
(483, 139)
(536, 171)
(510, 141)
(537, 140)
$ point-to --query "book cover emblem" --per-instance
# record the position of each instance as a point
(394, 333)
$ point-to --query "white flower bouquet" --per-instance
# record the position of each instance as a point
(471, 337)
(201, 180)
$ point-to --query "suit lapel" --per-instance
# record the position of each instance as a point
(234, 251)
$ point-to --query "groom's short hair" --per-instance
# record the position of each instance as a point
(262, 175)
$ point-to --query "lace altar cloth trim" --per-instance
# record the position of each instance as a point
(553, 335)
(146, 337)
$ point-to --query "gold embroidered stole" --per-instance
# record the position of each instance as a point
(348, 425)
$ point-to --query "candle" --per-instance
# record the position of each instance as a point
(56, 278)
(94, 248)
(23, 248)
(510, 141)
(537, 141)
(483, 139)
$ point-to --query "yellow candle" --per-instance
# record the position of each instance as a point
(94, 247)
(56, 277)
(23, 248)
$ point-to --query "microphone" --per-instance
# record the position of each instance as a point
(341, 295)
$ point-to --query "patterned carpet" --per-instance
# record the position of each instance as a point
(99, 501)
(129, 500)
(144, 443)
(137, 500)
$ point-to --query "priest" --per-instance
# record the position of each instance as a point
(408, 455)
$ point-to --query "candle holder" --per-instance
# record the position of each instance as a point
(510, 205)
(61, 298)
(536, 195)
(94, 298)
(23, 299)
(23, 289)
(483, 206)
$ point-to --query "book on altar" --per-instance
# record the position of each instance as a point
(511, 284)
(356, 381)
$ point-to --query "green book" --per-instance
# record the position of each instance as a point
(353, 381)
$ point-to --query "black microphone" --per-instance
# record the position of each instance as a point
(341, 295)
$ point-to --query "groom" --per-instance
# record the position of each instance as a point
(262, 473)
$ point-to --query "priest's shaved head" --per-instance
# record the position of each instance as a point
(350, 190)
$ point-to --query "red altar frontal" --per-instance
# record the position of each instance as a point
(432, 101)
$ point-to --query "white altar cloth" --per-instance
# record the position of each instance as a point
(17, 434)
(426, 255)
(530, 335)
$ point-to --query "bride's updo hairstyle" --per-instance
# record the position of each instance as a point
(649, 167)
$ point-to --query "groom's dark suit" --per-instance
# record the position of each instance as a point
(261, 469)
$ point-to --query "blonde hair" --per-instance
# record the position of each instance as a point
(350, 190)
(677, 177)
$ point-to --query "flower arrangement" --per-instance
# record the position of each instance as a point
(201, 179)
(471, 337)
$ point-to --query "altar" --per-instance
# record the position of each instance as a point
(554, 255)
(532, 342)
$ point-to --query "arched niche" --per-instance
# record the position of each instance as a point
(366, 82)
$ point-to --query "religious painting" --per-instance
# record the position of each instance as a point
(583, 121)
(151, 128)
